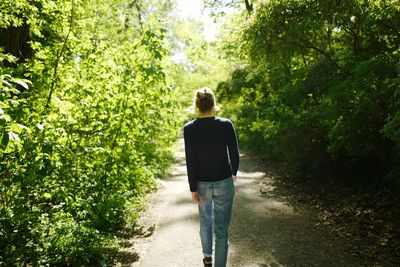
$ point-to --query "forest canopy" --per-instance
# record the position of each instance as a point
(318, 87)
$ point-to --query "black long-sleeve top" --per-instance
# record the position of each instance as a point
(211, 150)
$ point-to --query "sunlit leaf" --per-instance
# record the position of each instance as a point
(40, 126)
(13, 136)
(18, 128)
(5, 118)
(22, 83)
(6, 82)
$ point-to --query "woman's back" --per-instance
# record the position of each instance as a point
(208, 139)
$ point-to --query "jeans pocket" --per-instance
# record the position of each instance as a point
(226, 187)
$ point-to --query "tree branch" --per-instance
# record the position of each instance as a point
(249, 6)
(308, 44)
(59, 54)
(134, 4)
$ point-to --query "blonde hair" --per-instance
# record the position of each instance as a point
(204, 100)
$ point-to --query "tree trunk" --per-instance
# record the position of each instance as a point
(16, 42)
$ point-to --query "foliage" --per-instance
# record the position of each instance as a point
(319, 91)
(86, 126)
(195, 62)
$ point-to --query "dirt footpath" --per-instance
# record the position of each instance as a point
(265, 230)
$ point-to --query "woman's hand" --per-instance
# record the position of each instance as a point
(196, 197)
(234, 178)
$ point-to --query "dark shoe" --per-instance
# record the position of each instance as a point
(207, 262)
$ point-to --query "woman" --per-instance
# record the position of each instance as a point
(212, 161)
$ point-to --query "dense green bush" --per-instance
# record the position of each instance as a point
(320, 91)
(86, 124)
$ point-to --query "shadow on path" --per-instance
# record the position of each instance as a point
(265, 230)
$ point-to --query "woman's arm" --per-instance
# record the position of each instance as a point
(233, 149)
(190, 160)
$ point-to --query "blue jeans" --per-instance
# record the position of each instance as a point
(216, 200)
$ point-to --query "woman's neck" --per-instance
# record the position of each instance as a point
(206, 115)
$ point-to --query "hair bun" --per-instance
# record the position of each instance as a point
(205, 99)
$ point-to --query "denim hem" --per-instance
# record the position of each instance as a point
(207, 255)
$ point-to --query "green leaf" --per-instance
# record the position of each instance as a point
(47, 195)
(13, 136)
(8, 57)
(22, 83)
(6, 82)
(13, 90)
(18, 128)
(6, 118)
(3, 121)
(40, 126)
(5, 139)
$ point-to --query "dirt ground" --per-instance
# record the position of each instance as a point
(266, 230)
